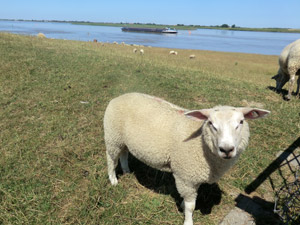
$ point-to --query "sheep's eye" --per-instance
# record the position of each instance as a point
(241, 122)
(211, 124)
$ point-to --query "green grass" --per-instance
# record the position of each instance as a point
(53, 94)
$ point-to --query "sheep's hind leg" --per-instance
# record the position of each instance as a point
(112, 155)
(124, 161)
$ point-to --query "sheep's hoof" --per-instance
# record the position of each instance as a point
(188, 222)
(113, 180)
(287, 98)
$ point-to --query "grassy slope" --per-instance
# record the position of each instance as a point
(53, 167)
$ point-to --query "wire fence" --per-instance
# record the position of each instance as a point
(287, 201)
(284, 177)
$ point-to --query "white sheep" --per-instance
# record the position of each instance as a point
(192, 56)
(289, 67)
(142, 51)
(41, 35)
(173, 53)
(134, 50)
(197, 146)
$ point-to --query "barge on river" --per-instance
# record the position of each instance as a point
(166, 30)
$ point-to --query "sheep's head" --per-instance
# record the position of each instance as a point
(225, 130)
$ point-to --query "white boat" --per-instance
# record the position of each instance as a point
(169, 30)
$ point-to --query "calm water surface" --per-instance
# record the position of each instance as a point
(268, 43)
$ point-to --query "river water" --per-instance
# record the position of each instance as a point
(268, 43)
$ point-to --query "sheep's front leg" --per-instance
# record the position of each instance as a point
(292, 70)
(189, 194)
(291, 86)
(188, 207)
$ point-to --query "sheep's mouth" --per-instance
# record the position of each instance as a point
(225, 156)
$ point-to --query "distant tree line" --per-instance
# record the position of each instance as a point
(154, 24)
(223, 25)
(227, 26)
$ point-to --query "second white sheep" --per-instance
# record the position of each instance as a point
(289, 67)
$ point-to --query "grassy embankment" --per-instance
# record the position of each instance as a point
(53, 96)
(191, 27)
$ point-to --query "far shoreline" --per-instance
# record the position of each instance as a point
(177, 27)
(190, 27)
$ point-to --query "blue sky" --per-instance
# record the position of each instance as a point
(247, 13)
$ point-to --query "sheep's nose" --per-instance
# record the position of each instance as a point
(226, 151)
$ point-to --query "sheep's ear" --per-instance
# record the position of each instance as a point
(198, 114)
(254, 113)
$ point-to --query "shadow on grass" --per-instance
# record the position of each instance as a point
(209, 195)
(263, 211)
(282, 92)
(260, 209)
